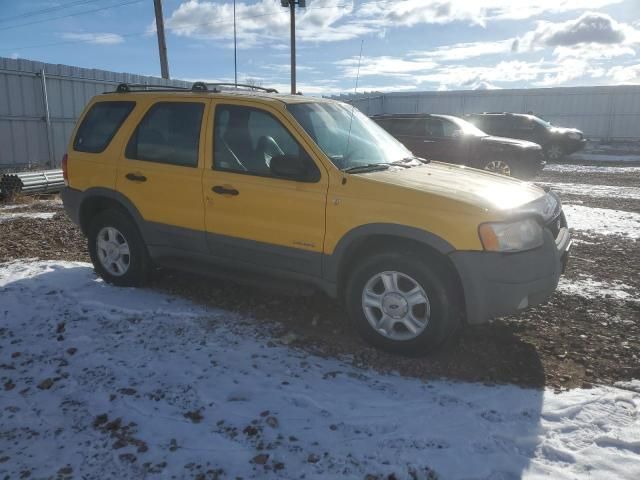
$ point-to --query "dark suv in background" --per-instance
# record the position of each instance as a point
(451, 139)
(555, 141)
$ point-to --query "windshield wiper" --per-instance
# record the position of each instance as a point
(406, 162)
(367, 167)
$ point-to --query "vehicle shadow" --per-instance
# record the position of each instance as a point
(490, 353)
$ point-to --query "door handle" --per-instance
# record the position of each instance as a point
(220, 190)
(135, 177)
(429, 141)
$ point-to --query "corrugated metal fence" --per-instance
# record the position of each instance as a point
(609, 113)
(39, 104)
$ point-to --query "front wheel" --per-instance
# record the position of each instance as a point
(554, 152)
(402, 304)
(117, 249)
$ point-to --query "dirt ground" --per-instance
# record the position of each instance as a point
(572, 341)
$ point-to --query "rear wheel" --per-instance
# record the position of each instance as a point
(117, 250)
(401, 303)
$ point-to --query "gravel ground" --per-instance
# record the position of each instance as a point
(572, 341)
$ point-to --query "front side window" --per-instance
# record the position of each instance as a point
(100, 125)
(346, 136)
(245, 139)
(168, 133)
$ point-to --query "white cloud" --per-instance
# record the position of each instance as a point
(265, 20)
(414, 12)
(591, 35)
(464, 51)
(337, 20)
(97, 38)
(625, 74)
(383, 66)
(15, 56)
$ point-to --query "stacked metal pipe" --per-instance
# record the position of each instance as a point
(30, 183)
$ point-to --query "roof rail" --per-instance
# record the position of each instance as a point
(204, 86)
(132, 87)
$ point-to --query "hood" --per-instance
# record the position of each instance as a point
(477, 188)
(564, 130)
(511, 142)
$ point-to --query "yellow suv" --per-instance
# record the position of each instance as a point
(309, 189)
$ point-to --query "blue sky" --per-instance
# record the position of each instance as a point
(407, 45)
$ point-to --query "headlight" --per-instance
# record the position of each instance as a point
(574, 136)
(511, 237)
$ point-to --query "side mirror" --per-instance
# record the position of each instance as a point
(293, 167)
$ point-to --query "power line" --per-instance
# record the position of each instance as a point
(35, 13)
(71, 15)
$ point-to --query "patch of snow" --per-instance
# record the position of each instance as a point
(572, 168)
(7, 217)
(56, 202)
(588, 287)
(589, 190)
(604, 158)
(129, 383)
(603, 221)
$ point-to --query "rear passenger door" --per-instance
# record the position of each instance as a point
(160, 171)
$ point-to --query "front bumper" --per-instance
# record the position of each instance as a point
(498, 284)
(571, 146)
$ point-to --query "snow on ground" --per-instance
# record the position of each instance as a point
(572, 168)
(588, 287)
(603, 157)
(127, 383)
(607, 191)
(7, 217)
(603, 221)
(55, 202)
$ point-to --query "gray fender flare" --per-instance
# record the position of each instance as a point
(332, 263)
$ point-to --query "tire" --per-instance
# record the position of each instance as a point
(554, 152)
(500, 166)
(443, 317)
(111, 228)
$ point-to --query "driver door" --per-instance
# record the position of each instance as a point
(252, 217)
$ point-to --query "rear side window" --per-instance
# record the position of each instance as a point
(168, 133)
(100, 125)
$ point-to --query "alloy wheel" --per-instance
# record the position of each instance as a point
(498, 166)
(395, 305)
(113, 251)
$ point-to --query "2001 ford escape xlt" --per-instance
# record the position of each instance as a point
(311, 190)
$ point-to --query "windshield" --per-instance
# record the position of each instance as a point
(346, 136)
(544, 123)
(467, 128)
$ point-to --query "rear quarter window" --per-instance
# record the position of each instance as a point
(100, 125)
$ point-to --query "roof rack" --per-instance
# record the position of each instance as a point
(196, 87)
(130, 87)
(204, 86)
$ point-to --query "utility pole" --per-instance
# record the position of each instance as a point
(291, 4)
(162, 44)
(235, 47)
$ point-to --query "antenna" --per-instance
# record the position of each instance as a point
(355, 91)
